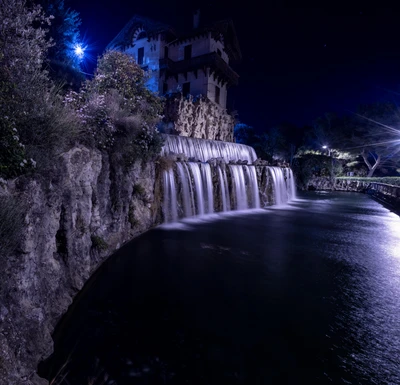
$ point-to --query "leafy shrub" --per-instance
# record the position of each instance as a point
(165, 163)
(35, 126)
(98, 243)
(138, 189)
(117, 111)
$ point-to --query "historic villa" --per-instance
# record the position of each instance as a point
(196, 63)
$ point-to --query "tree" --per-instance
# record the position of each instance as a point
(23, 47)
(270, 144)
(64, 64)
(35, 126)
(244, 134)
(374, 135)
(116, 104)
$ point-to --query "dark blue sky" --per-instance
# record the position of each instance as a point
(298, 63)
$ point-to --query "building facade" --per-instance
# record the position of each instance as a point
(196, 63)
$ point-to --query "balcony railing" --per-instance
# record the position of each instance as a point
(211, 60)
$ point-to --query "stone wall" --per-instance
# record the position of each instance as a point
(386, 194)
(197, 118)
(77, 216)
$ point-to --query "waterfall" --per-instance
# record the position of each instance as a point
(223, 182)
(170, 197)
(186, 188)
(208, 187)
(205, 149)
(279, 185)
(254, 186)
(292, 184)
(240, 187)
(198, 183)
(201, 187)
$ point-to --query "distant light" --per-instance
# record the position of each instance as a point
(79, 51)
(324, 146)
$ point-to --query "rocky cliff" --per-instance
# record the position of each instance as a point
(197, 118)
(87, 207)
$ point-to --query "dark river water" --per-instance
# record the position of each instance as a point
(308, 294)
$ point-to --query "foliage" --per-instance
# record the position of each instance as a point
(13, 159)
(368, 135)
(309, 165)
(268, 144)
(138, 189)
(64, 31)
(244, 134)
(118, 112)
(64, 64)
(98, 243)
(23, 46)
(11, 223)
(165, 163)
(375, 136)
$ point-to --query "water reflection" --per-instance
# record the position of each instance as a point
(306, 293)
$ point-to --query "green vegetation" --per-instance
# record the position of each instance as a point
(98, 243)
(138, 189)
(116, 110)
(165, 163)
(113, 112)
(35, 125)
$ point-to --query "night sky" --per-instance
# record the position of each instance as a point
(298, 63)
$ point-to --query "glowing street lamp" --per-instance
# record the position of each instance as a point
(79, 51)
(329, 150)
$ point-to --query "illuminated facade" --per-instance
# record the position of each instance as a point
(196, 63)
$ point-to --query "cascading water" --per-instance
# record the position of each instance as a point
(254, 186)
(198, 183)
(186, 188)
(223, 183)
(204, 150)
(292, 185)
(198, 188)
(208, 187)
(170, 196)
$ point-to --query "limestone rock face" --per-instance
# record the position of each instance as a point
(198, 118)
(74, 219)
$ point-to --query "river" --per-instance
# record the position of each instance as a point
(304, 293)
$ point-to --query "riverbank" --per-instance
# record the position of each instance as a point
(386, 193)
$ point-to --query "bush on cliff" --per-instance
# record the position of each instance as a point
(35, 126)
(117, 111)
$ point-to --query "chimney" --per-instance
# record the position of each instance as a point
(196, 19)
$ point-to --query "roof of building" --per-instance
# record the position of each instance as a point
(125, 37)
(218, 28)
